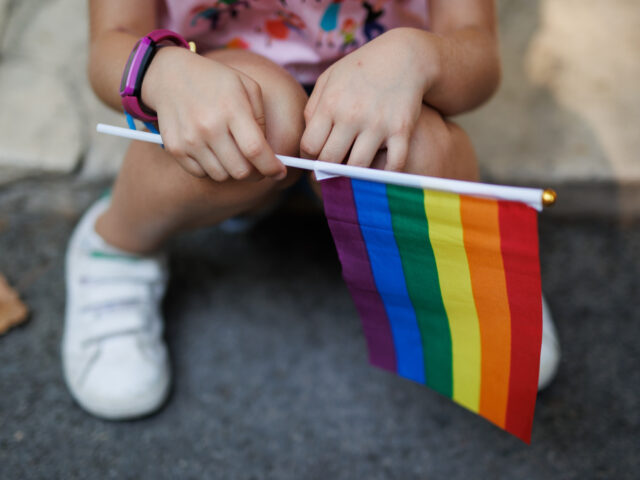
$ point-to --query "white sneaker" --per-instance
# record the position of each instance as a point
(550, 351)
(114, 359)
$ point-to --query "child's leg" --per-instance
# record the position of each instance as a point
(154, 197)
(115, 361)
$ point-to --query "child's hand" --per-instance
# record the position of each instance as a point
(210, 115)
(368, 100)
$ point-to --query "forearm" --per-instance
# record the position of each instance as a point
(458, 70)
(107, 60)
(115, 27)
(465, 69)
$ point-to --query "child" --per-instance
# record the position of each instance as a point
(222, 113)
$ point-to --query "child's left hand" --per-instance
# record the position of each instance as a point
(369, 100)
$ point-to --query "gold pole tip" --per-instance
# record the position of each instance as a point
(549, 197)
(192, 46)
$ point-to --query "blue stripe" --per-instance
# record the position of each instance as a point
(374, 217)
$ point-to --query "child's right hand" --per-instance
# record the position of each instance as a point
(211, 116)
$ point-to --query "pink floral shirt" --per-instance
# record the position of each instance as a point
(304, 36)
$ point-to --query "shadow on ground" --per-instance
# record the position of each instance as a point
(271, 378)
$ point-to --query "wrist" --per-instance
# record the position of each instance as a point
(428, 59)
(137, 65)
(424, 50)
(156, 74)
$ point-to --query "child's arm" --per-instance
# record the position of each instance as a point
(372, 98)
(209, 114)
(115, 27)
(465, 47)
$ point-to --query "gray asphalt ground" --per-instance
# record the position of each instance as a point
(271, 377)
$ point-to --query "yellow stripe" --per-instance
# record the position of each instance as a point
(445, 232)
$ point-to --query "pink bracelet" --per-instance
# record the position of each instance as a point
(136, 67)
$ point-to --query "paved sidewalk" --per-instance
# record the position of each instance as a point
(271, 375)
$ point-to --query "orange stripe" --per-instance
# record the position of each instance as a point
(482, 243)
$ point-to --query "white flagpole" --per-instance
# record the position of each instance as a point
(534, 197)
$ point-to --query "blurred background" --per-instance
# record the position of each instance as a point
(567, 116)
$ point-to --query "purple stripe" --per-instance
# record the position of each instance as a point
(340, 209)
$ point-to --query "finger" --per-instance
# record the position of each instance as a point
(315, 136)
(211, 165)
(254, 94)
(227, 153)
(397, 152)
(364, 149)
(254, 147)
(192, 167)
(312, 103)
(179, 151)
(338, 144)
(380, 159)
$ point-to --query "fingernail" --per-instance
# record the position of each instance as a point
(281, 176)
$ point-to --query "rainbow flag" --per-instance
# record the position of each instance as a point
(447, 285)
(448, 290)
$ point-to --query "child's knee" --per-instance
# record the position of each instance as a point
(463, 163)
(441, 148)
(284, 107)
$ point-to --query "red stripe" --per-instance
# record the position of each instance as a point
(519, 244)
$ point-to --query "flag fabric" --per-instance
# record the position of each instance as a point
(448, 290)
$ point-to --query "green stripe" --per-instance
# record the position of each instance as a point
(411, 230)
(113, 256)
